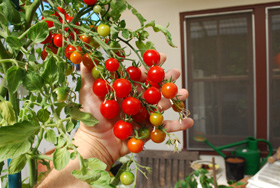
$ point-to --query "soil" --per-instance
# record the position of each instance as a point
(234, 160)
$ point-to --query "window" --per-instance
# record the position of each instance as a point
(234, 88)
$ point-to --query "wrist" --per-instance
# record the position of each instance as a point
(90, 147)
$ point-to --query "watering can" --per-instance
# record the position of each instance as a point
(247, 148)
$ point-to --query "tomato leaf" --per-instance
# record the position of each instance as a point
(7, 113)
(33, 82)
(125, 33)
(117, 7)
(166, 33)
(50, 136)
(95, 164)
(90, 176)
(9, 11)
(75, 113)
(60, 142)
(69, 126)
(61, 158)
(38, 32)
(17, 164)
(14, 42)
(137, 14)
(50, 71)
(103, 181)
(11, 147)
(79, 84)
(15, 76)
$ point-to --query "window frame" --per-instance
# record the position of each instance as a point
(260, 59)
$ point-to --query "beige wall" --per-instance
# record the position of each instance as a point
(167, 11)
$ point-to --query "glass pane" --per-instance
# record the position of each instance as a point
(235, 52)
(274, 76)
(204, 64)
(221, 83)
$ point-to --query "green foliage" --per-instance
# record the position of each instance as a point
(196, 177)
(45, 92)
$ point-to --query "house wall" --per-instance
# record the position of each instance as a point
(167, 11)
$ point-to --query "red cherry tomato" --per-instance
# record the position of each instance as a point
(152, 95)
(156, 74)
(61, 10)
(70, 49)
(141, 115)
(90, 2)
(100, 87)
(122, 87)
(112, 64)
(121, 55)
(153, 84)
(58, 40)
(50, 23)
(157, 135)
(123, 130)
(76, 57)
(85, 39)
(88, 63)
(169, 90)
(151, 57)
(135, 145)
(134, 73)
(131, 105)
(48, 39)
(44, 53)
(109, 109)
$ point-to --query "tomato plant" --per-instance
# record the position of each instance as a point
(135, 145)
(42, 46)
(122, 129)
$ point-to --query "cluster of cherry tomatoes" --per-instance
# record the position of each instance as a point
(114, 81)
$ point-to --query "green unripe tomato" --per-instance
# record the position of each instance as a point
(69, 69)
(62, 94)
(97, 9)
(97, 71)
(93, 43)
(127, 178)
(115, 46)
(103, 30)
(144, 133)
(156, 119)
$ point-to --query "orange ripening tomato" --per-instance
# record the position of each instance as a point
(76, 57)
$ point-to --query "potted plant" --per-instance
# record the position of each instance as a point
(42, 44)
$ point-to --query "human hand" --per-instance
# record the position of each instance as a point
(102, 134)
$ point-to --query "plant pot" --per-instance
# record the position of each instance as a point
(235, 168)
